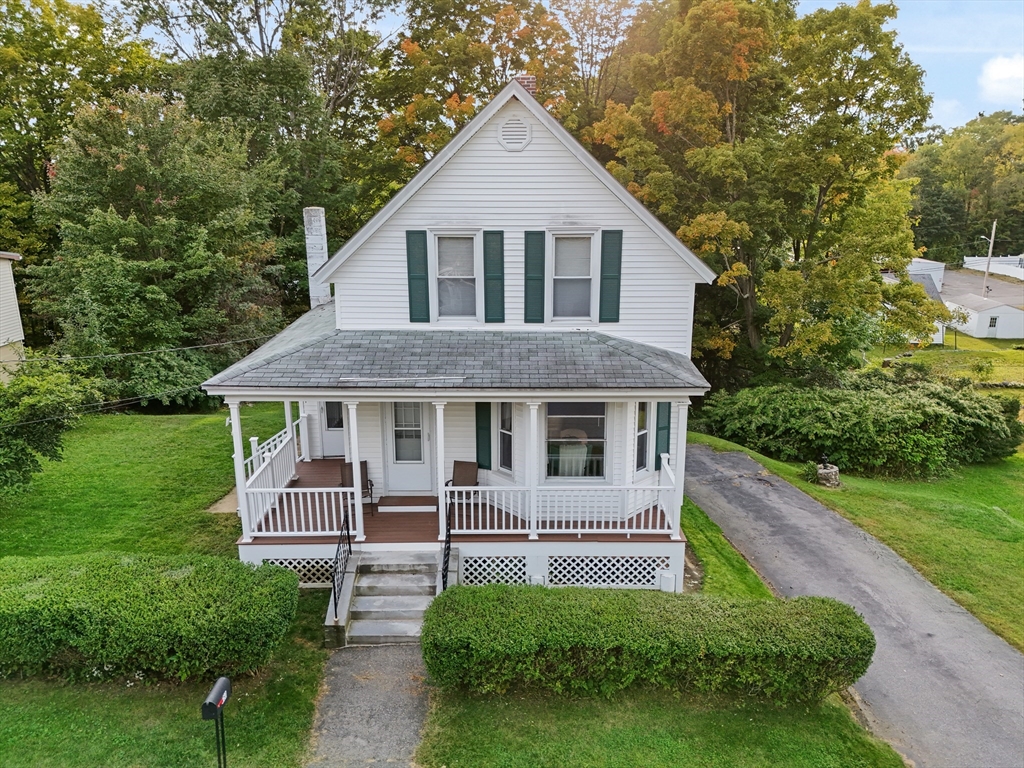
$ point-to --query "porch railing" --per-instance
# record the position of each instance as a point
(301, 511)
(262, 452)
(488, 510)
(570, 509)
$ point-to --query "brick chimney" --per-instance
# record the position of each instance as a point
(529, 82)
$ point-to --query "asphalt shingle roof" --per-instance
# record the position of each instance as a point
(311, 353)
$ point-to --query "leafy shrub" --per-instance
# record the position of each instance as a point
(874, 425)
(103, 615)
(596, 641)
(809, 471)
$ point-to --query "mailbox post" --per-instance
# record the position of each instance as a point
(213, 709)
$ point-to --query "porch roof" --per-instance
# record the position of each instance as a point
(312, 354)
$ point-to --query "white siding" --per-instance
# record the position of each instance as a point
(544, 186)
(10, 316)
(459, 434)
(371, 444)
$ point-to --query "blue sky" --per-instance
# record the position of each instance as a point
(972, 52)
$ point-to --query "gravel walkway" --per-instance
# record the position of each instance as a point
(373, 709)
(942, 689)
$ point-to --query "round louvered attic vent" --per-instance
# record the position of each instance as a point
(514, 134)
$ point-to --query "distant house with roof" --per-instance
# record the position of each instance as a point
(988, 318)
(12, 335)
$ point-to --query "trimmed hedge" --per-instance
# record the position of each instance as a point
(104, 615)
(595, 641)
(873, 425)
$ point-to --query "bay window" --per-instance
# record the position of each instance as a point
(575, 440)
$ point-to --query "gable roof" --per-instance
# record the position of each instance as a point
(514, 90)
(980, 304)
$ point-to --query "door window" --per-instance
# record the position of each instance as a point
(408, 433)
(335, 419)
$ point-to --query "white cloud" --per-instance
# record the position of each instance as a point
(950, 113)
(1002, 80)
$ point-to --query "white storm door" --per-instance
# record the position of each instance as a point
(332, 428)
(409, 459)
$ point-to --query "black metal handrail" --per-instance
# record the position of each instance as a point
(447, 554)
(341, 559)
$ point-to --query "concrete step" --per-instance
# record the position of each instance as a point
(370, 632)
(372, 584)
(390, 607)
(398, 562)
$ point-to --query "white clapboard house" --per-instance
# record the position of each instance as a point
(513, 307)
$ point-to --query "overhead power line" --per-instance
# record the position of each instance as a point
(105, 405)
(62, 359)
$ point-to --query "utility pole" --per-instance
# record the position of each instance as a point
(988, 264)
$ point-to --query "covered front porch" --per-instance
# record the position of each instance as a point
(551, 475)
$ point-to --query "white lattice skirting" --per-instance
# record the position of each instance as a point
(637, 571)
(313, 572)
(493, 570)
(606, 571)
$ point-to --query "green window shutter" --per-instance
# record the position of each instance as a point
(483, 435)
(419, 281)
(662, 430)
(534, 300)
(494, 277)
(611, 274)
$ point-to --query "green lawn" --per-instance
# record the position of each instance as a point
(964, 533)
(1007, 363)
(135, 484)
(642, 729)
(649, 729)
(142, 484)
(267, 720)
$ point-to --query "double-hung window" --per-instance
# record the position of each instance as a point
(456, 277)
(572, 280)
(505, 436)
(643, 439)
(575, 440)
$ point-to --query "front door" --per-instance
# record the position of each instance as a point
(332, 422)
(409, 458)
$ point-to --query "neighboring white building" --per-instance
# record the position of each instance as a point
(513, 307)
(12, 335)
(1011, 266)
(936, 270)
(929, 275)
(988, 318)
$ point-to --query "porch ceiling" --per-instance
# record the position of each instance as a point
(311, 354)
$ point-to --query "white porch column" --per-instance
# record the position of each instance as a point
(304, 433)
(682, 413)
(288, 425)
(357, 472)
(239, 459)
(533, 453)
(442, 507)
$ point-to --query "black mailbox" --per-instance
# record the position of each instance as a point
(213, 709)
(219, 695)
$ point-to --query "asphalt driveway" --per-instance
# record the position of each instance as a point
(942, 689)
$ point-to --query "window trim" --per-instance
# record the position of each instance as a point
(394, 435)
(478, 272)
(595, 275)
(509, 471)
(609, 441)
(646, 470)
